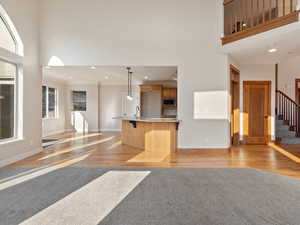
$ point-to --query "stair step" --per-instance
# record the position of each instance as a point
(290, 141)
(280, 117)
(286, 134)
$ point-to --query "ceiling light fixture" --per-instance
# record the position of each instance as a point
(93, 67)
(106, 77)
(129, 96)
(146, 77)
(272, 50)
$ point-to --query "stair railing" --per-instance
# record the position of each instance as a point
(288, 111)
(240, 15)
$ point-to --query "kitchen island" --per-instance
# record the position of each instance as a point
(156, 136)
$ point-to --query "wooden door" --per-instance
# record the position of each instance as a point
(235, 106)
(257, 110)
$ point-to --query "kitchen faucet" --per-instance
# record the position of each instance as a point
(137, 110)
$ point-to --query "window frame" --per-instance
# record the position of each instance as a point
(56, 110)
(11, 34)
(16, 126)
(86, 101)
(15, 58)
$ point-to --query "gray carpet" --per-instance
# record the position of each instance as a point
(166, 197)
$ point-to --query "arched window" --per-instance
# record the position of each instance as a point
(7, 40)
(11, 52)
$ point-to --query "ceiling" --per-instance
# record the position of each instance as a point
(254, 50)
(110, 75)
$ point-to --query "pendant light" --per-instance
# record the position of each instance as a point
(129, 95)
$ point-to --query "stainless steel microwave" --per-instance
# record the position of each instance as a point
(170, 102)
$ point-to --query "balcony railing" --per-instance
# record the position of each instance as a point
(241, 16)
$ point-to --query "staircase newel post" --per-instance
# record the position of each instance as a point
(298, 122)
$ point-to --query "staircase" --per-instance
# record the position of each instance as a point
(287, 120)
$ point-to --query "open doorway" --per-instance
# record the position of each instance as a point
(235, 105)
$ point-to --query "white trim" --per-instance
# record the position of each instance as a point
(221, 147)
(110, 130)
(94, 130)
(14, 32)
(19, 157)
(54, 133)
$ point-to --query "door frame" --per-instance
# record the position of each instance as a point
(234, 78)
(297, 80)
(269, 114)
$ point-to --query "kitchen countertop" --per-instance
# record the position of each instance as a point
(150, 120)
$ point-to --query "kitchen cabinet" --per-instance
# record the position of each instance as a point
(150, 87)
(170, 93)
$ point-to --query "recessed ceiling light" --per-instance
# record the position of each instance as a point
(244, 25)
(93, 67)
(273, 50)
(106, 77)
(146, 77)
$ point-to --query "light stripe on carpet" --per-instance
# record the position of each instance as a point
(34, 173)
(93, 202)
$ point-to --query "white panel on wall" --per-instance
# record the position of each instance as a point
(210, 105)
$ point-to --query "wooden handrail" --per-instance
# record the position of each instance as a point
(288, 98)
(288, 111)
(241, 16)
(227, 2)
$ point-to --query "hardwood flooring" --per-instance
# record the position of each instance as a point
(106, 150)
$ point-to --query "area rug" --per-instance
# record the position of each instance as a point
(154, 196)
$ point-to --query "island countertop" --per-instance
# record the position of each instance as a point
(146, 119)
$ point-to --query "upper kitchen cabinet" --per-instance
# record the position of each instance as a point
(170, 93)
(150, 87)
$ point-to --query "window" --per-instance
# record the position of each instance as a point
(7, 40)
(8, 74)
(49, 103)
(79, 100)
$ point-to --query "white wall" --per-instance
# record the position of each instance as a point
(25, 16)
(113, 103)
(91, 116)
(288, 71)
(57, 125)
(258, 73)
(141, 32)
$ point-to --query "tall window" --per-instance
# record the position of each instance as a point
(8, 74)
(49, 103)
(79, 100)
(9, 78)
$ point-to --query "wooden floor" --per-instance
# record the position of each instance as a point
(106, 150)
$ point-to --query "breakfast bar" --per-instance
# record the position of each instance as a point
(156, 136)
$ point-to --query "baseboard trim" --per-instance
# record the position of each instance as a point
(19, 157)
(110, 130)
(54, 133)
(205, 148)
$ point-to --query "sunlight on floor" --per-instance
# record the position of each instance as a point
(119, 143)
(76, 148)
(149, 157)
(284, 152)
(82, 136)
(14, 180)
(91, 203)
